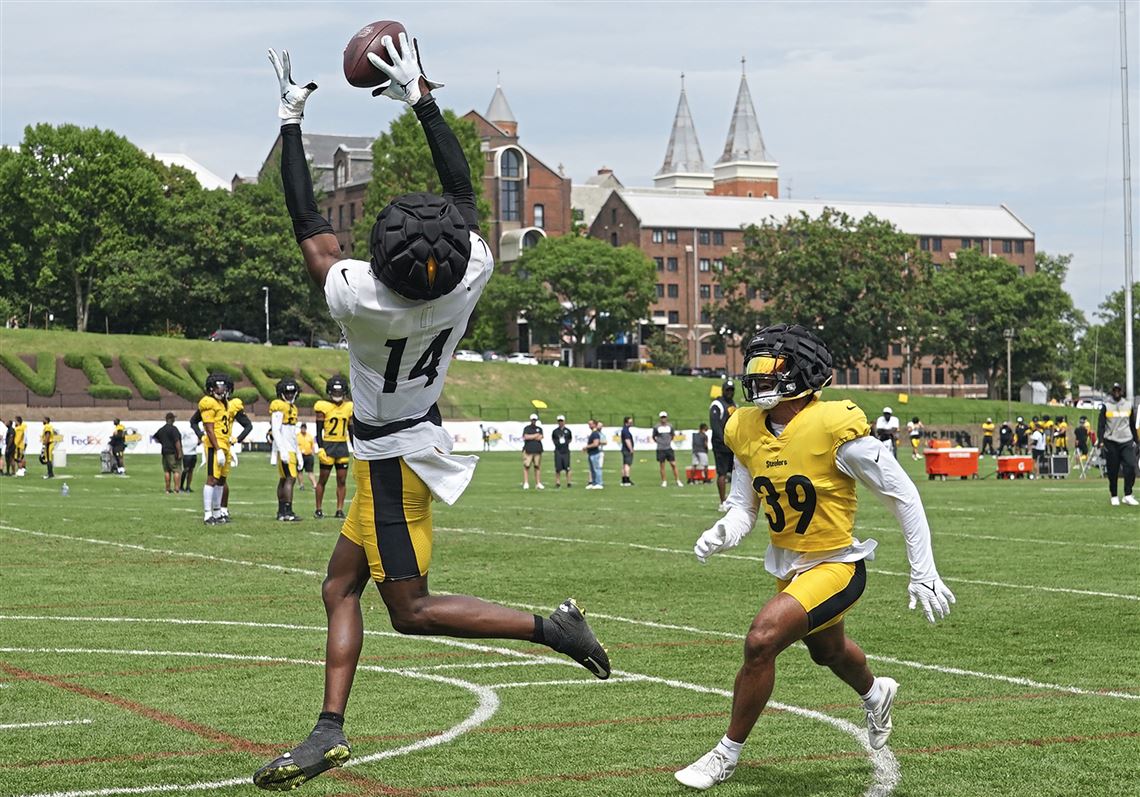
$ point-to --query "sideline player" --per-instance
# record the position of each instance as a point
(283, 424)
(20, 433)
(1116, 431)
(214, 416)
(47, 448)
(402, 315)
(719, 411)
(797, 460)
(334, 429)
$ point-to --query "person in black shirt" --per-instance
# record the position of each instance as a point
(1005, 438)
(626, 451)
(532, 453)
(722, 407)
(561, 437)
(170, 439)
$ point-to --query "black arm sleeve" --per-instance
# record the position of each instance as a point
(245, 423)
(320, 433)
(195, 420)
(1101, 423)
(298, 185)
(450, 162)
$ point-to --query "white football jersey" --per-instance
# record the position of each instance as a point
(399, 349)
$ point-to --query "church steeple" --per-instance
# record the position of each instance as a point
(684, 165)
(746, 168)
(499, 111)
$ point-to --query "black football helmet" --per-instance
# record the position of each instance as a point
(336, 388)
(420, 246)
(783, 362)
(288, 389)
(216, 385)
(229, 380)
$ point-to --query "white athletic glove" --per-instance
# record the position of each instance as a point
(220, 457)
(405, 72)
(293, 97)
(233, 458)
(716, 539)
(235, 447)
(934, 596)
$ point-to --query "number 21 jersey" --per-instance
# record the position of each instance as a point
(399, 349)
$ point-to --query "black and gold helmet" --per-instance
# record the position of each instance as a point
(336, 388)
(288, 389)
(783, 362)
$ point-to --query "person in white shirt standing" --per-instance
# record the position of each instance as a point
(402, 314)
(887, 430)
(190, 444)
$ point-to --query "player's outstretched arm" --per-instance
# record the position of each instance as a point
(319, 245)
(865, 460)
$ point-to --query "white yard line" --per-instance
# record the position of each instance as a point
(48, 724)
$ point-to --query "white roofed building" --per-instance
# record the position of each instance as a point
(206, 178)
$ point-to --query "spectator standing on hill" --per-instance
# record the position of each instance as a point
(988, 437)
(47, 450)
(532, 452)
(1116, 430)
(627, 449)
(593, 451)
(119, 446)
(663, 434)
(887, 430)
(701, 454)
(1005, 438)
(719, 411)
(190, 444)
(170, 439)
(561, 438)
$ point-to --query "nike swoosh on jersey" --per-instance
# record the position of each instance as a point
(852, 407)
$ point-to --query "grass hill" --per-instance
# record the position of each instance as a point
(167, 367)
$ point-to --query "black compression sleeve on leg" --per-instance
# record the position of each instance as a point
(450, 162)
(298, 185)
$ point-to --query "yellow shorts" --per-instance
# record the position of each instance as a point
(212, 468)
(287, 466)
(334, 453)
(827, 591)
(390, 518)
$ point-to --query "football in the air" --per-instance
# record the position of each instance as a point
(357, 68)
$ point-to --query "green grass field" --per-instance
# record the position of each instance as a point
(143, 653)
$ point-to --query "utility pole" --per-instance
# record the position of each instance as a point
(1008, 334)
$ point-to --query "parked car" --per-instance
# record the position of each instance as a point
(468, 356)
(296, 342)
(232, 336)
(521, 358)
(321, 343)
(492, 355)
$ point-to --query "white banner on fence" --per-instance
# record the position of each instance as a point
(86, 437)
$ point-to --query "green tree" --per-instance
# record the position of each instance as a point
(1099, 357)
(586, 288)
(666, 351)
(506, 297)
(401, 164)
(852, 281)
(89, 195)
(969, 305)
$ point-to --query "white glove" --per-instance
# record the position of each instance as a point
(293, 97)
(713, 541)
(233, 458)
(220, 457)
(934, 596)
(235, 447)
(404, 73)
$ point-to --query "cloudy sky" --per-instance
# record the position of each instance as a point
(934, 102)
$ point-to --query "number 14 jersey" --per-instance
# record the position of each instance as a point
(809, 502)
(399, 350)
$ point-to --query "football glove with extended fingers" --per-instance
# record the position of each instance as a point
(220, 457)
(934, 596)
(716, 539)
(293, 97)
(405, 71)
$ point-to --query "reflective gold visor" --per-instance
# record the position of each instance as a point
(764, 366)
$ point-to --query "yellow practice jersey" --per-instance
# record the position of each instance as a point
(337, 417)
(288, 411)
(47, 436)
(808, 501)
(305, 443)
(21, 432)
(216, 411)
(987, 429)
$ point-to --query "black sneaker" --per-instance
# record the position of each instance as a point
(325, 748)
(289, 517)
(578, 641)
(211, 521)
(339, 513)
(318, 514)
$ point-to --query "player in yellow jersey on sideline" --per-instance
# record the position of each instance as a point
(796, 461)
(283, 423)
(334, 431)
(47, 448)
(20, 433)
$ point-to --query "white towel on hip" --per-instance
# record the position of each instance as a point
(446, 475)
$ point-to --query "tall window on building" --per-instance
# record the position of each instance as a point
(658, 236)
(939, 376)
(705, 317)
(705, 292)
(927, 376)
(671, 236)
(1007, 247)
(674, 317)
(672, 291)
(613, 239)
(660, 290)
(718, 292)
(896, 376)
(540, 216)
(884, 376)
(924, 244)
(660, 263)
(703, 237)
(718, 237)
(965, 244)
(853, 376)
(510, 185)
(718, 264)
(704, 264)
(340, 217)
(351, 213)
(1019, 247)
(936, 244)
(671, 264)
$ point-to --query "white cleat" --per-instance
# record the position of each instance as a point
(1114, 501)
(1130, 500)
(539, 487)
(879, 723)
(707, 771)
(526, 486)
(679, 483)
(664, 484)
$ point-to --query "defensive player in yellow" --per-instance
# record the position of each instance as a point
(796, 461)
(20, 431)
(47, 448)
(334, 430)
(216, 424)
(1061, 434)
(283, 424)
(235, 409)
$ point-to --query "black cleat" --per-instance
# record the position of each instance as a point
(578, 641)
(339, 513)
(211, 521)
(289, 517)
(325, 748)
(318, 514)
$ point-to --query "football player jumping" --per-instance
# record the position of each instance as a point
(797, 460)
(402, 314)
(334, 429)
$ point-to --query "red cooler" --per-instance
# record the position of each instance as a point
(1014, 467)
(945, 462)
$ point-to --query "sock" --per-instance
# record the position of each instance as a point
(546, 632)
(280, 508)
(208, 499)
(873, 694)
(288, 507)
(330, 717)
(730, 749)
(216, 501)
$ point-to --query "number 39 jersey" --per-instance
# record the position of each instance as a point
(399, 349)
(808, 501)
